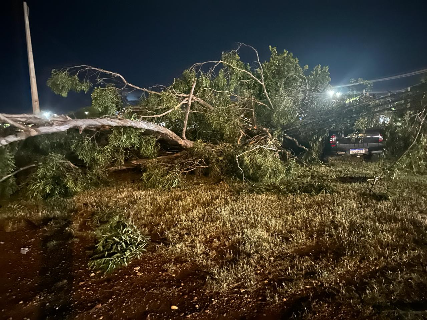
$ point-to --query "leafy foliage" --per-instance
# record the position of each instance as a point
(416, 160)
(61, 82)
(316, 147)
(34, 148)
(264, 166)
(7, 166)
(161, 177)
(123, 141)
(69, 162)
(233, 98)
(401, 132)
(118, 243)
(106, 100)
(98, 151)
(220, 159)
(55, 177)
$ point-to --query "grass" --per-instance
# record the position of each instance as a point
(358, 251)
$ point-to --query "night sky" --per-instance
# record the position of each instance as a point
(151, 42)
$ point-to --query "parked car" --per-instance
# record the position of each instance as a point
(366, 143)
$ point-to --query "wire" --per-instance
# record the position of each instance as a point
(405, 75)
(387, 92)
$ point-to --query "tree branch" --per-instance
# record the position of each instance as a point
(114, 74)
(166, 112)
(60, 124)
(188, 109)
(13, 123)
(422, 119)
(294, 140)
(250, 74)
(261, 73)
(17, 171)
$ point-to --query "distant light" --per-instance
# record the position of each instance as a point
(86, 112)
(330, 93)
(384, 119)
(338, 94)
(47, 114)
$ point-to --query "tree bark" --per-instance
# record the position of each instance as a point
(187, 111)
(62, 123)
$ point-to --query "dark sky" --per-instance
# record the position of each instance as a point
(151, 42)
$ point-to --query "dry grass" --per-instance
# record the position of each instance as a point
(348, 250)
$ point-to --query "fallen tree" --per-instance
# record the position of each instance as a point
(241, 112)
(224, 100)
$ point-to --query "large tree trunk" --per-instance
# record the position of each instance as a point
(41, 125)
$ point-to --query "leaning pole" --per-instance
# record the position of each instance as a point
(33, 82)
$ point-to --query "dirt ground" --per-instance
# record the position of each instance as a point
(45, 275)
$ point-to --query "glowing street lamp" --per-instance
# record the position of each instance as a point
(332, 93)
(47, 114)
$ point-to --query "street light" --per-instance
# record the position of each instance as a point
(47, 114)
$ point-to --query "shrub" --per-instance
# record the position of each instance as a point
(118, 242)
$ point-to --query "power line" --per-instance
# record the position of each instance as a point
(405, 75)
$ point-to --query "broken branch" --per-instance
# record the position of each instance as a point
(188, 109)
(17, 171)
(61, 124)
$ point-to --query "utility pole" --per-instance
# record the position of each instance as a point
(33, 82)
